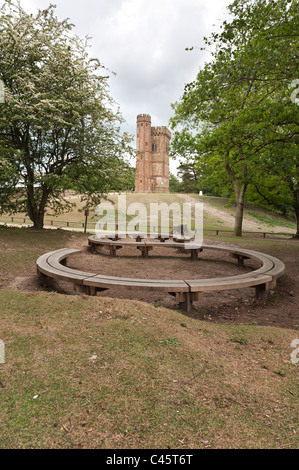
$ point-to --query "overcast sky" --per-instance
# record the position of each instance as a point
(143, 42)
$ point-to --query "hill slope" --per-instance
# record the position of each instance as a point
(101, 373)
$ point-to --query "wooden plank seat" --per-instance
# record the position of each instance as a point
(49, 266)
(262, 279)
(118, 235)
(144, 246)
(115, 245)
(53, 266)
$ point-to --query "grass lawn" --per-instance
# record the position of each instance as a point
(84, 372)
(75, 218)
(96, 372)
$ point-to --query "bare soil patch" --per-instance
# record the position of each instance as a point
(231, 307)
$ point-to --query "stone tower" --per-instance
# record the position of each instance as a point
(152, 166)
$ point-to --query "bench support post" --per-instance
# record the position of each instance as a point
(144, 250)
(91, 290)
(113, 250)
(186, 299)
(92, 247)
(194, 252)
(240, 259)
(45, 280)
(262, 291)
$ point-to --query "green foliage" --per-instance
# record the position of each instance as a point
(175, 185)
(188, 174)
(239, 340)
(58, 129)
(237, 116)
(271, 221)
(170, 341)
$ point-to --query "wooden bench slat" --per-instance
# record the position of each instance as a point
(67, 270)
(278, 268)
(206, 285)
(102, 281)
(49, 265)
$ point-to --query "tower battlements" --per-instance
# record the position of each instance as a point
(144, 117)
(161, 130)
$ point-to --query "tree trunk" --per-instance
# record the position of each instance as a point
(239, 219)
(38, 222)
(240, 195)
(296, 211)
(36, 210)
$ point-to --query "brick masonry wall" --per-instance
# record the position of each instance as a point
(152, 165)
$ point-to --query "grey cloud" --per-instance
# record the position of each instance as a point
(144, 44)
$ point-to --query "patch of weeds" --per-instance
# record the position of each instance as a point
(238, 340)
(280, 372)
(169, 341)
(269, 341)
(273, 222)
(272, 299)
(157, 304)
(221, 401)
(206, 332)
(184, 325)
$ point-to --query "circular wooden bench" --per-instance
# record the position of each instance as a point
(53, 265)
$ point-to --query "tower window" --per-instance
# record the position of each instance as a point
(154, 147)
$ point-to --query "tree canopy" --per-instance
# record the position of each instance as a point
(237, 116)
(59, 127)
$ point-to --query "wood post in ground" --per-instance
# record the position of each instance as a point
(144, 250)
(240, 259)
(194, 252)
(113, 250)
(92, 247)
(262, 291)
(45, 280)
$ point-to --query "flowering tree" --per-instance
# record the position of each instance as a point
(58, 129)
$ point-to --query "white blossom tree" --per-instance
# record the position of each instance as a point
(58, 127)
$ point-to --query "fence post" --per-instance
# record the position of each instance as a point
(86, 216)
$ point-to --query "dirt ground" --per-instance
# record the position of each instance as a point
(232, 306)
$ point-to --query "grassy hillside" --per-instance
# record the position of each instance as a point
(261, 216)
(84, 372)
(217, 214)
